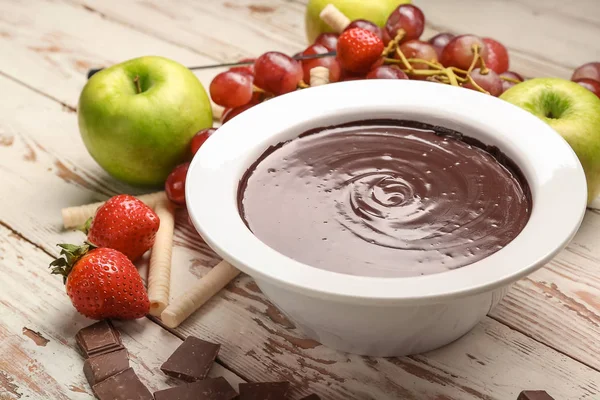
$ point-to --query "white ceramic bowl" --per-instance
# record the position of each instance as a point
(387, 316)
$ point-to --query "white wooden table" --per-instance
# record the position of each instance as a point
(544, 335)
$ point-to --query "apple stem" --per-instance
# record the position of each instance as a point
(138, 86)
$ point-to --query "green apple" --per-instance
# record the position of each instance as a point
(137, 118)
(376, 11)
(573, 111)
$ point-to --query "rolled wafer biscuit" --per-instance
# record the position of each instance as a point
(334, 18)
(319, 76)
(159, 271)
(209, 285)
(76, 216)
(217, 111)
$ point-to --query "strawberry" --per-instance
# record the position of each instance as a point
(101, 282)
(126, 224)
(358, 49)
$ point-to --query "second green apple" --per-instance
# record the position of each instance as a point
(573, 111)
(376, 11)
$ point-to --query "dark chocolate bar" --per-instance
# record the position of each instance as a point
(208, 389)
(311, 397)
(192, 360)
(123, 386)
(534, 395)
(100, 367)
(98, 338)
(264, 391)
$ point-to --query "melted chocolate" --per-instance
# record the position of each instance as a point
(384, 198)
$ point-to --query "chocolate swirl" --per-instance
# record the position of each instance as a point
(380, 199)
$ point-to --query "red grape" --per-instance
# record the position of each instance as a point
(175, 184)
(490, 81)
(329, 40)
(331, 63)
(387, 72)
(386, 37)
(231, 89)
(368, 25)
(406, 17)
(277, 73)
(440, 41)
(508, 84)
(229, 113)
(590, 71)
(419, 49)
(199, 139)
(497, 56)
(459, 51)
(590, 84)
(247, 69)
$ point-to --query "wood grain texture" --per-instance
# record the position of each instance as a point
(38, 356)
(543, 53)
(45, 167)
(53, 57)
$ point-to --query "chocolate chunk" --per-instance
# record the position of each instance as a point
(208, 389)
(100, 367)
(311, 397)
(99, 338)
(123, 386)
(192, 360)
(264, 391)
(534, 395)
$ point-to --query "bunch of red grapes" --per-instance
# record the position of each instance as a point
(365, 51)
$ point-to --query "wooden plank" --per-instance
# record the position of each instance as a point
(251, 28)
(258, 341)
(559, 305)
(53, 56)
(87, 180)
(39, 356)
(181, 25)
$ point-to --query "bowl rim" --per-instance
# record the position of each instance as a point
(554, 173)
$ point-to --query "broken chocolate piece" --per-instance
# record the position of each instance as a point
(192, 360)
(264, 391)
(99, 338)
(123, 386)
(100, 367)
(311, 397)
(208, 389)
(534, 395)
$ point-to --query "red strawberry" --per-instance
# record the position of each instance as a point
(101, 282)
(358, 49)
(126, 224)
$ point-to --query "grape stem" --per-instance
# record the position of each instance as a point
(393, 44)
(431, 64)
(138, 86)
(303, 85)
(476, 58)
(475, 85)
(451, 77)
(407, 65)
(513, 80)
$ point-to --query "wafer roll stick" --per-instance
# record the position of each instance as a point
(334, 18)
(319, 76)
(159, 272)
(210, 284)
(217, 111)
(77, 216)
